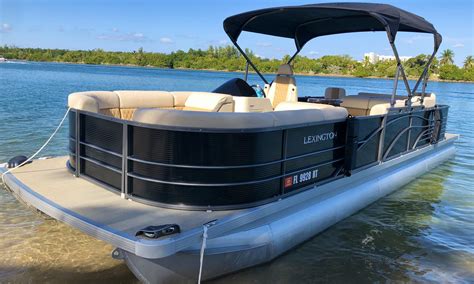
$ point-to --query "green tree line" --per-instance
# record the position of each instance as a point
(227, 58)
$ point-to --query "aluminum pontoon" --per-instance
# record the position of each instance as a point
(238, 178)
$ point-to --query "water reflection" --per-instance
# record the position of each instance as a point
(381, 243)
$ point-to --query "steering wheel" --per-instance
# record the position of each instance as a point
(259, 91)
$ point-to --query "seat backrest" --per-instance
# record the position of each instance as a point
(252, 104)
(199, 119)
(130, 101)
(334, 93)
(103, 102)
(283, 87)
(212, 102)
(327, 112)
(180, 99)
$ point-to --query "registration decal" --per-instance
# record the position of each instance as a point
(299, 178)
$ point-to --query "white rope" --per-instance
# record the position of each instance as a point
(40, 149)
(203, 247)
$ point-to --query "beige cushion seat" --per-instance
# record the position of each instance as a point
(131, 100)
(376, 104)
(199, 119)
(252, 104)
(211, 102)
(122, 104)
(237, 120)
(103, 102)
(283, 87)
(180, 99)
(328, 112)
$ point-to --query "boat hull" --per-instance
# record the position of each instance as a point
(264, 240)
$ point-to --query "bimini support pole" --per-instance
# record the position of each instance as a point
(395, 86)
(402, 72)
(246, 71)
(425, 72)
(423, 88)
(294, 56)
(249, 61)
(424, 77)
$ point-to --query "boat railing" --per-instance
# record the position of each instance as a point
(392, 135)
(228, 169)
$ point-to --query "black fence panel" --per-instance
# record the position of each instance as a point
(205, 148)
(225, 169)
(396, 135)
(400, 133)
(102, 133)
(102, 174)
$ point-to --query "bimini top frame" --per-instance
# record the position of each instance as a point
(303, 23)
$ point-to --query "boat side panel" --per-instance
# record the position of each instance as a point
(235, 169)
(202, 169)
(400, 133)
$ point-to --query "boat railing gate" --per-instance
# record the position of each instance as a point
(375, 139)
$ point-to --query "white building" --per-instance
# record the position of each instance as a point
(373, 57)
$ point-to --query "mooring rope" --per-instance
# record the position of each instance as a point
(203, 247)
(40, 149)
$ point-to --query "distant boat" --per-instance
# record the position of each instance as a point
(2, 59)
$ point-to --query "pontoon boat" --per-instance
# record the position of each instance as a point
(224, 180)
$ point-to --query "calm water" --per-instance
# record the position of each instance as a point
(422, 233)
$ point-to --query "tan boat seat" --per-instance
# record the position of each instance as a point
(211, 102)
(200, 119)
(283, 88)
(376, 104)
(328, 112)
(252, 104)
(131, 100)
(180, 99)
(103, 102)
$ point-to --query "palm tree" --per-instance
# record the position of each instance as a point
(469, 62)
(447, 57)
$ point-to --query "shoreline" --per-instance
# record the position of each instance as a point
(242, 72)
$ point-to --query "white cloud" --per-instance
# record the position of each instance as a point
(313, 52)
(166, 40)
(5, 28)
(264, 44)
(118, 36)
(260, 56)
(223, 42)
(458, 45)
(115, 30)
(138, 36)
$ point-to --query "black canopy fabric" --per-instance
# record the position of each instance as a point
(303, 23)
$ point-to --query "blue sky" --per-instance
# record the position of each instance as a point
(164, 26)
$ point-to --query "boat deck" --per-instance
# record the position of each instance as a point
(89, 202)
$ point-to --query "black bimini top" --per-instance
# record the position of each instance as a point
(303, 23)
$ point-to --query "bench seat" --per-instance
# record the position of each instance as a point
(377, 104)
(123, 103)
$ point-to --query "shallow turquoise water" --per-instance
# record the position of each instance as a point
(423, 232)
